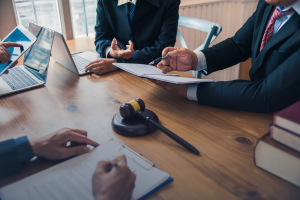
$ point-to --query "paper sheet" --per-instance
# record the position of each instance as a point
(72, 179)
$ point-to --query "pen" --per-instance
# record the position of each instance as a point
(113, 163)
(157, 60)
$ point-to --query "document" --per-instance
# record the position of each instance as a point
(149, 71)
(72, 179)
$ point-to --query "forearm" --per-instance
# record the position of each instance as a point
(13, 153)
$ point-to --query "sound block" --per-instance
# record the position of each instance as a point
(134, 127)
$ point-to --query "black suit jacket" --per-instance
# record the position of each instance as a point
(153, 27)
(275, 71)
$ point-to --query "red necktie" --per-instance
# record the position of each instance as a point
(270, 28)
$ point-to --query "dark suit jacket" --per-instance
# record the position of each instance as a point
(153, 27)
(13, 153)
(275, 71)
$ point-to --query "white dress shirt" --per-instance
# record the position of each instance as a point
(192, 89)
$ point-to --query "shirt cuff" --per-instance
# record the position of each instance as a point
(24, 149)
(107, 50)
(192, 92)
(201, 61)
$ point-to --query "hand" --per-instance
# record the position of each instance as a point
(116, 52)
(180, 90)
(101, 66)
(117, 184)
(4, 53)
(180, 59)
(53, 146)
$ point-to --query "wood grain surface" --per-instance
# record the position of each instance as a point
(225, 138)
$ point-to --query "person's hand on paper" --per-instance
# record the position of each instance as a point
(180, 90)
(116, 52)
(116, 184)
(101, 66)
(180, 59)
(54, 146)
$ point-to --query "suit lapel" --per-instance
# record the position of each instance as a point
(122, 12)
(290, 27)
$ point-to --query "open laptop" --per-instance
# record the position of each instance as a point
(74, 62)
(33, 72)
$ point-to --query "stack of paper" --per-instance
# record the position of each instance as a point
(149, 71)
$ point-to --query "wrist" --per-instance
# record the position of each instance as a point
(35, 146)
(195, 61)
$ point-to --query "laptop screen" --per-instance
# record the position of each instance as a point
(38, 56)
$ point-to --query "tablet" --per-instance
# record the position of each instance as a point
(19, 35)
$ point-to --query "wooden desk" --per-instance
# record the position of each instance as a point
(225, 138)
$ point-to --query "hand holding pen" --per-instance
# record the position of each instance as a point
(179, 59)
(117, 183)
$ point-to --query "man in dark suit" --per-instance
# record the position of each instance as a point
(271, 37)
(147, 25)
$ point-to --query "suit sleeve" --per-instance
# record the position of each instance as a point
(104, 34)
(166, 37)
(277, 91)
(13, 153)
(232, 50)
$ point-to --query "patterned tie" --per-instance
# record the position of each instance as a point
(270, 28)
(131, 11)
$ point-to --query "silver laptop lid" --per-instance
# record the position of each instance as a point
(38, 56)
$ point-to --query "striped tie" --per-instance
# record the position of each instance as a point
(270, 28)
(131, 11)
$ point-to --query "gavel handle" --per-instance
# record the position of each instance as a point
(169, 133)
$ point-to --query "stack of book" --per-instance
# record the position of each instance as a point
(279, 151)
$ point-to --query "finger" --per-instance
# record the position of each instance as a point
(122, 162)
(102, 167)
(96, 61)
(74, 151)
(114, 45)
(166, 61)
(93, 66)
(168, 69)
(11, 44)
(180, 53)
(167, 50)
(75, 137)
(131, 46)
(82, 132)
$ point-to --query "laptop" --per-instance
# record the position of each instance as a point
(33, 72)
(74, 62)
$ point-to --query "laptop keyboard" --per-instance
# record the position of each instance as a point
(18, 79)
(80, 62)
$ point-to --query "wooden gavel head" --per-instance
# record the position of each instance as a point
(130, 109)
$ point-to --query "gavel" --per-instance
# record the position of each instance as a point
(136, 108)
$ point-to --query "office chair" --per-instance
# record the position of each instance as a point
(212, 29)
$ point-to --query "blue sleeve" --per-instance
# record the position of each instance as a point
(13, 153)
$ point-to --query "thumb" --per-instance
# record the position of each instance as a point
(74, 151)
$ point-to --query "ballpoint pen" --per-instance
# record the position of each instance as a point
(113, 163)
(157, 60)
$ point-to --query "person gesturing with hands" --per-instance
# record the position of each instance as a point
(104, 65)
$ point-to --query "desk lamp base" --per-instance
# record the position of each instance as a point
(134, 127)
